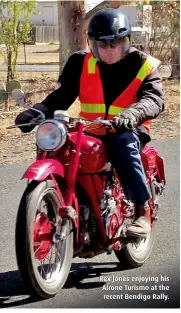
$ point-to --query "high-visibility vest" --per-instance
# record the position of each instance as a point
(91, 93)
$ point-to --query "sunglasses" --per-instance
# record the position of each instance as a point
(108, 43)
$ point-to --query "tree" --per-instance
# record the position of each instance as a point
(12, 32)
(73, 22)
(165, 37)
(175, 63)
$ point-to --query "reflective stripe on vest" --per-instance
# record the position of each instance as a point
(91, 91)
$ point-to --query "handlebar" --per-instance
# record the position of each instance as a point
(104, 122)
(111, 123)
(39, 120)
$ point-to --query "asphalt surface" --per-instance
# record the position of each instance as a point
(165, 70)
(86, 284)
(33, 68)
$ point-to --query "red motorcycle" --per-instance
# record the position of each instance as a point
(74, 205)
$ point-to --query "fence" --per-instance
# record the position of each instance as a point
(47, 33)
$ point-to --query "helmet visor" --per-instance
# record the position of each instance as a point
(109, 51)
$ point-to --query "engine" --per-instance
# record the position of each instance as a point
(88, 225)
(115, 211)
(110, 212)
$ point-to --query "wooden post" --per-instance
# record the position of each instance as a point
(24, 51)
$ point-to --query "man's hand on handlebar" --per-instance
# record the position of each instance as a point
(26, 117)
(125, 119)
(30, 116)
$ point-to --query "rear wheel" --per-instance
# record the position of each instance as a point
(136, 254)
(44, 265)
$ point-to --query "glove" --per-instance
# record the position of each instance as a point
(28, 115)
(125, 119)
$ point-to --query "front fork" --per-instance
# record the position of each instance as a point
(70, 208)
(61, 230)
(73, 167)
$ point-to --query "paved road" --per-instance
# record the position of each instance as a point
(164, 69)
(85, 287)
(33, 68)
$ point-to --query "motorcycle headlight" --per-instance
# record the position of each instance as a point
(51, 135)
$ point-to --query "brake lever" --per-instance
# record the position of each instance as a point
(34, 121)
(19, 125)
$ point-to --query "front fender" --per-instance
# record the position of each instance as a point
(41, 169)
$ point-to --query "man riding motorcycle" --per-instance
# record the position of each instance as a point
(113, 81)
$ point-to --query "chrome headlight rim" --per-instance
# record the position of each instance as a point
(63, 135)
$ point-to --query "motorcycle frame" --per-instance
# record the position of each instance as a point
(87, 181)
(43, 168)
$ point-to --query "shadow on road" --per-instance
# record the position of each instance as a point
(11, 287)
(81, 271)
(12, 292)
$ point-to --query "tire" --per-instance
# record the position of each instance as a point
(132, 257)
(135, 255)
(44, 285)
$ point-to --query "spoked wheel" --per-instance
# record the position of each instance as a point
(44, 263)
(135, 254)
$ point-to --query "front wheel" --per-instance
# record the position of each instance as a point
(44, 265)
(135, 254)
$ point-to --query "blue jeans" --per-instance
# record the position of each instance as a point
(124, 153)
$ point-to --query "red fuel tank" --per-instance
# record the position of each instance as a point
(93, 154)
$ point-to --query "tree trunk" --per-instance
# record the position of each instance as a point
(9, 64)
(69, 34)
(6, 105)
(175, 63)
(14, 61)
(9, 75)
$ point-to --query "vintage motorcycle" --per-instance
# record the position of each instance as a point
(74, 204)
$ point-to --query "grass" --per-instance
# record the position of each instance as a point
(172, 95)
(37, 54)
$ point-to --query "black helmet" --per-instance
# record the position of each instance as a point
(108, 24)
(109, 28)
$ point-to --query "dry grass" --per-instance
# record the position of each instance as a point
(17, 148)
(37, 54)
(167, 125)
(172, 93)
